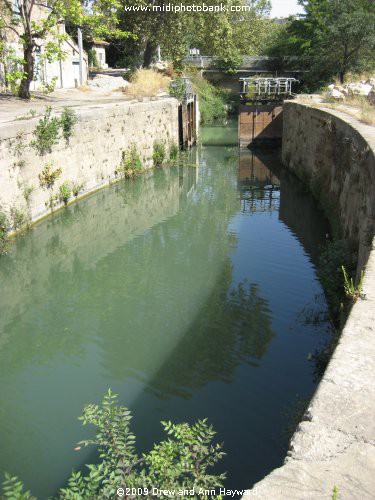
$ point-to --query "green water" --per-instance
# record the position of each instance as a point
(189, 291)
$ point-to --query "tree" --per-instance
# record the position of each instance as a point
(180, 462)
(217, 34)
(36, 23)
(332, 38)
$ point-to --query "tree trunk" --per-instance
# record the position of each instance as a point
(28, 68)
(149, 54)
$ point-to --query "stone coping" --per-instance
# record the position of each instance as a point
(334, 445)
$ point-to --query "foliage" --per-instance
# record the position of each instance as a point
(13, 66)
(68, 119)
(177, 89)
(333, 256)
(65, 192)
(76, 188)
(18, 217)
(174, 151)
(48, 176)
(159, 153)
(49, 87)
(175, 32)
(92, 58)
(181, 461)
(335, 493)
(46, 133)
(131, 163)
(27, 191)
(352, 291)
(212, 100)
(230, 61)
(13, 489)
(4, 228)
(332, 38)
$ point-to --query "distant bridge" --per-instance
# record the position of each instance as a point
(251, 65)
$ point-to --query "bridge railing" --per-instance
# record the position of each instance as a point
(267, 87)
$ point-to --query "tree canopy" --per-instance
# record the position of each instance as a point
(332, 38)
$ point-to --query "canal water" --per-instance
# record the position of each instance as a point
(190, 291)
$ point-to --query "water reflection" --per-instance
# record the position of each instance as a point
(165, 288)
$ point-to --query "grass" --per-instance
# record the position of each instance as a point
(357, 106)
(148, 83)
(213, 101)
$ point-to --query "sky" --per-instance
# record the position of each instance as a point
(284, 8)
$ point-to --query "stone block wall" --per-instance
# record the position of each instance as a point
(91, 158)
(334, 445)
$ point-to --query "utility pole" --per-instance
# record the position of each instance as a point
(80, 55)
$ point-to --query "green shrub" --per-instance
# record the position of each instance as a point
(48, 176)
(18, 218)
(174, 151)
(76, 188)
(177, 88)
(131, 163)
(159, 153)
(182, 461)
(68, 119)
(65, 193)
(4, 228)
(46, 133)
(213, 102)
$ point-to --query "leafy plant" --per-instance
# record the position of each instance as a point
(18, 217)
(27, 191)
(131, 163)
(174, 151)
(352, 291)
(46, 133)
(4, 228)
(67, 121)
(159, 153)
(177, 88)
(181, 461)
(76, 188)
(230, 61)
(48, 176)
(48, 88)
(65, 192)
(13, 489)
(335, 493)
(213, 102)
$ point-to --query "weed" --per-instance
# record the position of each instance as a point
(46, 133)
(177, 89)
(30, 114)
(76, 188)
(352, 291)
(67, 121)
(158, 154)
(48, 176)
(27, 191)
(335, 493)
(65, 192)
(131, 163)
(19, 218)
(174, 151)
(4, 228)
(48, 88)
(19, 145)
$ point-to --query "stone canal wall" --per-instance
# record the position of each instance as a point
(91, 158)
(334, 445)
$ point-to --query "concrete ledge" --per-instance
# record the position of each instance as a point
(334, 445)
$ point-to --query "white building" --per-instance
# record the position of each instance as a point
(63, 73)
